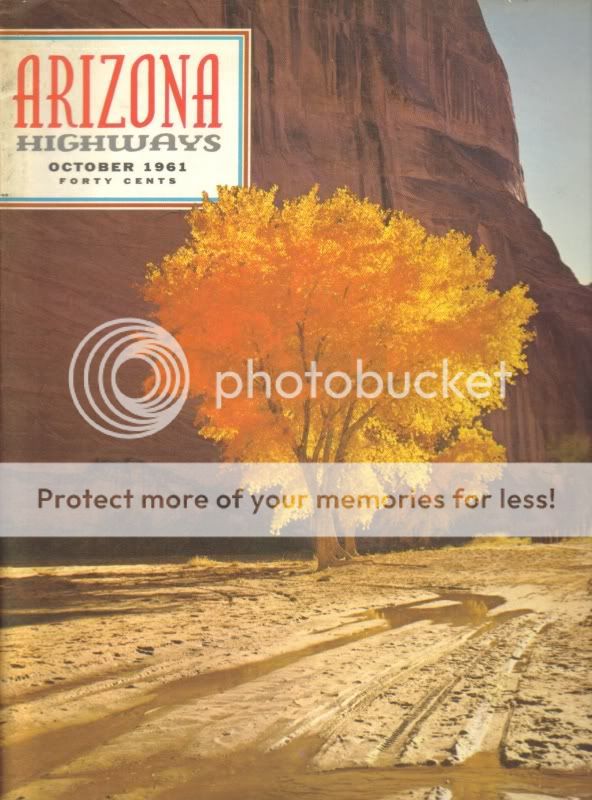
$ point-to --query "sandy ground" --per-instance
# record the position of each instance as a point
(424, 675)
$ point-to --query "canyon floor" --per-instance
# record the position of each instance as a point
(422, 675)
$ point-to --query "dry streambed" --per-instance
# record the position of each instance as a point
(448, 693)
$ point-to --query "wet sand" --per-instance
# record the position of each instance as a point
(453, 673)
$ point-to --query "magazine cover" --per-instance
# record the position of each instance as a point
(295, 372)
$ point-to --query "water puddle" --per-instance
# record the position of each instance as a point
(30, 758)
(284, 775)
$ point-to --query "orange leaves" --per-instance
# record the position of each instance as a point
(332, 282)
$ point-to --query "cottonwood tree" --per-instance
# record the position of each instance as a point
(333, 282)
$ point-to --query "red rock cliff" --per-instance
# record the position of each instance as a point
(405, 101)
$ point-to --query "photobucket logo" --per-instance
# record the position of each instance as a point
(94, 373)
(367, 384)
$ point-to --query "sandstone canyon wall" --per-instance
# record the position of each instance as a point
(405, 101)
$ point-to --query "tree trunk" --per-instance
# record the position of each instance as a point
(349, 543)
(327, 550)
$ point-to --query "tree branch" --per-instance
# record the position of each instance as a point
(355, 427)
(340, 452)
(328, 443)
(303, 447)
(362, 419)
(319, 444)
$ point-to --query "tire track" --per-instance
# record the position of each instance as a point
(438, 710)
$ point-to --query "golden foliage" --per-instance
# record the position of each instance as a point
(336, 281)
